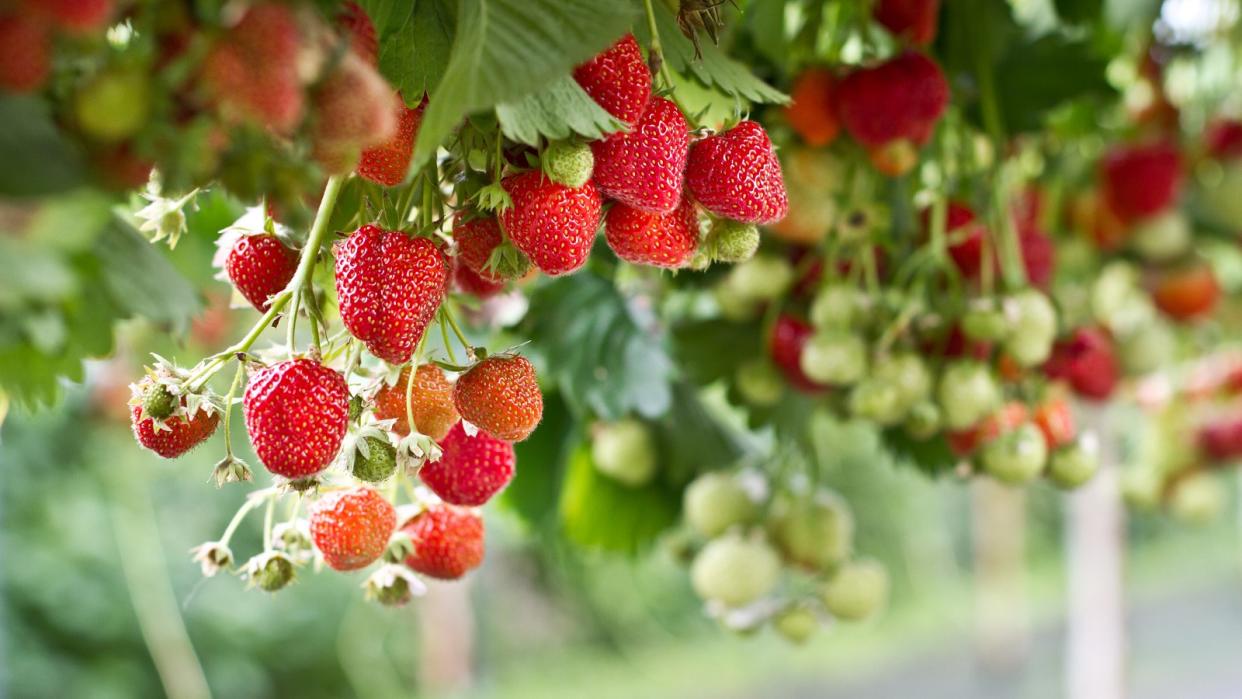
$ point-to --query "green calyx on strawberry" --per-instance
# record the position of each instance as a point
(1016, 457)
(369, 455)
(815, 533)
(735, 570)
(967, 393)
(716, 501)
(568, 162)
(166, 418)
(269, 571)
(858, 590)
(732, 241)
(625, 452)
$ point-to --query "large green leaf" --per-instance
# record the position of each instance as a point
(1041, 75)
(1079, 11)
(712, 349)
(414, 40)
(536, 485)
(597, 512)
(504, 49)
(37, 160)
(555, 112)
(692, 439)
(142, 281)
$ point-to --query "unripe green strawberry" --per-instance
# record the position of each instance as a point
(908, 373)
(923, 420)
(1016, 457)
(1147, 347)
(375, 459)
(796, 623)
(762, 278)
(1072, 466)
(735, 571)
(568, 163)
(270, 571)
(985, 325)
(759, 383)
(716, 501)
(1113, 287)
(1033, 328)
(1198, 499)
(836, 306)
(114, 105)
(878, 401)
(858, 590)
(732, 241)
(834, 357)
(1161, 238)
(967, 393)
(624, 451)
(814, 533)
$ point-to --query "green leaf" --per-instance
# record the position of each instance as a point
(714, 68)
(536, 485)
(711, 350)
(37, 160)
(414, 40)
(692, 439)
(597, 512)
(1036, 77)
(555, 112)
(931, 456)
(142, 281)
(504, 49)
(1079, 11)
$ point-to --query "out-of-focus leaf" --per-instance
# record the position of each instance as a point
(1038, 76)
(597, 512)
(142, 281)
(555, 112)
(692, 440)
(711, 350)
(37, 160)
(1079, 11)
(414, 41)
(536, 485)
(931, 456)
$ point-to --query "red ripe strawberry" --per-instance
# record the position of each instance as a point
(471, 470)
(74, 15)
(789, 336)
(351, 528)
(387, 164)
(448, 542)
(362, 37)
(1087, 361)
(260, 266)
(1139, 181)
(252, 71)
(471, 282)
(618, 79)
(735, 174)
(642, 238)
(25, 53)
(389, 286)
(162, 424)
(355, 109)
(1056, 421)
(1038, 256)
(476, 239)
(644, 167)
(431, 402)
(900, 100)
(912, 20)
(296, 412)
(1223, 139)
(813, 111)
(1187, 293)
(501, 396)
(1221, 440)
(553, 224)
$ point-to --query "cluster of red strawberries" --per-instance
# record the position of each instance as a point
(27, 32)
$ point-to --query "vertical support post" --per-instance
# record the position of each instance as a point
(999, 533)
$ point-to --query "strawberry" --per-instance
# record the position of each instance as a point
(1221, 440)
(618, 79)
(1223, 139)
(813, 112)
(387, 163)
(735, 174)
(389, 286)
(296, 413)
(1139, 181)
(642, 238)
(552, 224)
(448, 541)
(1054, 419)
(78, 16)
(471, 282)
(260, 266)
(644, 167)
(163, 423)
(252, 71)
(362, 40)
(25, 53)
(1087, 360)
(355, 110)
(789, 336)
(1187, 293)
(431, 402)
(351, 528)
(1091, 216)
(471, 470)
(476, 239)
(1008, 418)
(894, 102)
(568, 162)
(912, 20)
(967, 249)
(501, 396)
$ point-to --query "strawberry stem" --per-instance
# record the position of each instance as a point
(228, 410)
(657, 55)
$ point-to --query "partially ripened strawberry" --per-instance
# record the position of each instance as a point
(351, 528)
(501, 396)
(79, 16)
(1055, 420)
(736, 174)
(431, 402)
(618, 79)
(361, 30)
(789, 336)
(25, 53)
(260, 266)
(165, 423)
(912, 20)
(354, 109)
(812, 111)
(388, 162)
(476, 239)
(552, 224)
(471, 469)
(1139, 181)
(894, 102)
(1087, 361)
(644, 167)
(1186, 293)
(296, 413)
(661, 240)
(447, 541)
(389, 286)
(252, 70)
(471, 282)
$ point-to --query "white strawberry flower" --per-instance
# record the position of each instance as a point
(164, 217)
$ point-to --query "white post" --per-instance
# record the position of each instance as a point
(1002, 620)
